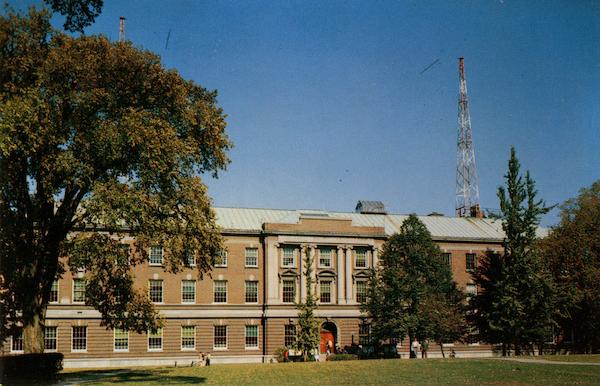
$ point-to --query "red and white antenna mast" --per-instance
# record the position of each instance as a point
(467, 187)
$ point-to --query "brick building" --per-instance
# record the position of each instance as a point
(244, 311)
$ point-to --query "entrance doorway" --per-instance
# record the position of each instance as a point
(328, 334)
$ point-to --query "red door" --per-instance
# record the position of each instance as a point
(326, 336)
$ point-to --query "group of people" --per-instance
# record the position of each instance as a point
(204, 359)
(419, 346)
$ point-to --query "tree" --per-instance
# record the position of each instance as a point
(79, 13)
(307, 337)
(572, 252)
(412, 278)
(516, 301)
(97, 141)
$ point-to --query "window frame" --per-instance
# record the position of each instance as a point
(294, 291)
(287, 336)
(188, 301)
(46, 339)
(52, 291)
(219, 301)
(364, 338)
(226, 337)
(223, 256)
(78, 280)
(162, 290)
(284, 257)
(330, 251)
(255, 295)
(322, 282)
(246, 337)
(18, 341)
(79, 328)
(162, 256)
(361, 250)
(193, 337)
(246, 257)
(474, 262)
(115, 349)
(149, 333)
(447, 258)
(358, 293)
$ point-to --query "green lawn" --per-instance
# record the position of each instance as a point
(594, 358)
(432, 371)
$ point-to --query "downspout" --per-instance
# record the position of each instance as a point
(264, 305)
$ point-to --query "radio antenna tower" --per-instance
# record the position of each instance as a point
(467, 188)
(122, 29)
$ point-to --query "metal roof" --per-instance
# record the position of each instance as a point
(441, 228)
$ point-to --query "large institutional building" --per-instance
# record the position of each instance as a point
(244, 311)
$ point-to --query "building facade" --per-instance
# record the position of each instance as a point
(244, 311)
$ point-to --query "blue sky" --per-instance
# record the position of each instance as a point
(327, 103)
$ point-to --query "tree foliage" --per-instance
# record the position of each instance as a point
(516, 301)
(79, 13)
(412, 292)
(97, 136)
(572, 252)
(308, 333)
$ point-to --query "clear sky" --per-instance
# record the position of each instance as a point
(327, 101)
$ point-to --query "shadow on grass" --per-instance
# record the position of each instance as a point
(126, 376)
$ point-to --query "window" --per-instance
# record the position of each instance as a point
(123, 257)
(188, 291)
(325, 257)
(288, 257)
(190, 258)
(447, 258)
(289, 291)
(220, 289)
(471, 261)
(325, 291)
(78, 291)
(361, 258)
(121, 340)
(54, 292)
(251, 257)
(289, 336)
(220, 338)
(364, 334)
(251, 337)
(17, 341)
(188, 337)
(50, 338)
(471, 290)
(155, 340)
(79, 338)
(251, 292)
(221, 259)
(156, 255)
(155, 291)
(361, 291)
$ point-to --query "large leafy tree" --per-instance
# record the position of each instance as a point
(516, 301)
(307, 337)
(413, 278)
(572, 251)
(78, 13)
(97, 136)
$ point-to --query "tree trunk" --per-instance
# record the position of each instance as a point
(33, 331)
(442, 349)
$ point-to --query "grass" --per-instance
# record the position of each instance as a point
(591, 358)
(421, 372)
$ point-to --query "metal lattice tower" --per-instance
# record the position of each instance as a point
(467, 188)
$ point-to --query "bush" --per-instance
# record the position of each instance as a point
(30, 367)
(342, 357)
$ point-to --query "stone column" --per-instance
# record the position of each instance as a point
(340, 275)
(302, 280)
(375, 257)
(272, 268)
(348, 273)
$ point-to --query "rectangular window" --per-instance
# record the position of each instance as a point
(325, 257)
(220, 291)
(155, 291)
(361, 258)
(288, 257)
(471, 290)
(156, 255)
(471, 261)
(54, 292)
(361, 291)
(447, 258)
(78, 291)
(289, 337)
(17, 341)
(251, 337)
(50, 338)
(190, 258)
(188, 337)
(325, 291)
(220, 337)
(221, 259)
(251, 257)
(289, 291)
(364, 334)
(155, 339)
(121, 340)
(188, 291)
(251, 291)
(79, 338)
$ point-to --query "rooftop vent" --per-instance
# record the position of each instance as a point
(370, 207)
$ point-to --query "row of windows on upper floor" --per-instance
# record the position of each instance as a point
(79, 339)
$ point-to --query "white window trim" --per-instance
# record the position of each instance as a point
(331, 294)
(246, 259)
(115, 349)
(257, 292)
(252, 348)
(162, 256)
(162, 341)
(330, 258)
(226, 340)
(366, 258)
(188, 302)
(226, 255)
(181, 339)
(57, 292)
(162, 291)
(86, 340)
(73, 290)
(356, 288)
(292, 279)
(293, 265)
(226, 292)
(11, 346)
(56, 338)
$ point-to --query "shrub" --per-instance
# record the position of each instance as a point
(342, 357)
(30, 367)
